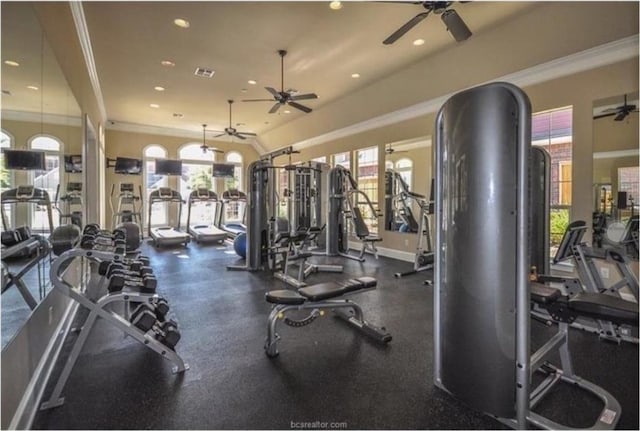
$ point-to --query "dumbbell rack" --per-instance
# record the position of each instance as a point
(102, 307)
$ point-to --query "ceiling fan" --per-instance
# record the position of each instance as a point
(390, 150)
(283, 97)
(621, 112)
(450, 17)
(231, 131)
(204, 147)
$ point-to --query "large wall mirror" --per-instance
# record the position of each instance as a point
(408, 174)
(39, 113)
(616, 182)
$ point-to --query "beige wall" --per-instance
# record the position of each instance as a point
(130, 144)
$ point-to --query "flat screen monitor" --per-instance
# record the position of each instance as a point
(128, 166)
(73, 163)
(224, 170)
(24, 160)
(168, 167)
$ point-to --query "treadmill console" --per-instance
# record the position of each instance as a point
(25, 192)
(126, 187)
(74, 187)
(165, 193)
(202, 193)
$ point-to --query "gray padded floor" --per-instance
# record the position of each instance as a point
(326, 372)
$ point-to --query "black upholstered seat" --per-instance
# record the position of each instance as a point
(543, 294)
(321, 291)
(287, 297)
(605, 307)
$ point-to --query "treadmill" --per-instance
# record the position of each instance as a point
(166, 235)
(204, 232)
(233, 228)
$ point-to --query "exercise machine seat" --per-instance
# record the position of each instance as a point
(543, 294)
(322, 291)
(605, 307)
(287, 297)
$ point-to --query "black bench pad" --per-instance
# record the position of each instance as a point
(287, 297)
(605, 307)
(543, 294)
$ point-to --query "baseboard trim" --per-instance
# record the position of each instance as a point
(405, 256)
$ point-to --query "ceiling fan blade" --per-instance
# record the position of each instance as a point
(614, 110)
(257, 100)
(621, 116)
(595, 117)
(215, 150)
(275, 108)
(238, 135)
(273, 91)
(405, 28)
(304, 96)
(247, 134)
(455, 25)
(221, 134)
(300, 107)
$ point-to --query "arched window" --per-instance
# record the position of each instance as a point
(159, 215)
(48, 179)
(6, 176)
(234, 210)
(196, 173)
(404, 167)
(388, 165)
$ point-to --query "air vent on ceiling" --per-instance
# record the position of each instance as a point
(204, 72)
(6, 92)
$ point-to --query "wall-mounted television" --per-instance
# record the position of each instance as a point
(223, 170)
(128, 166)
(24, 160)
(73, 163)
(168, 167)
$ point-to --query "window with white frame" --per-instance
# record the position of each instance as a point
(196, 173)
(553, 131)
(367, 178)
(342, 159)
(629, 181)
(48, 179)
(6, 176)
(159, 212)
(404, 167)
(234, 211)
(321, 159)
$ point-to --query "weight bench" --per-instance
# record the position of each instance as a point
(316, 298)
(565, 310)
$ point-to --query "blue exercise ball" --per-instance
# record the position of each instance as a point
(240, 245)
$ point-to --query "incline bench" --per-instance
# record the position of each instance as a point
(565, 310)
(315, 298)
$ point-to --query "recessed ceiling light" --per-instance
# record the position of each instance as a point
(418, 42)
(286, 111)
(158, 88)
(167, 63)
(178, 115)
(243, 90)
(252, 82)
(154, 105)
(32, 87)
(266, 122)
(355, 75)
(335, 5)
(181, 22)
(11, 63)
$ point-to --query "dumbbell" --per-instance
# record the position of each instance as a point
(10, 237)
(145, 284)
(165, 331)
(159, 308)
(24, 232)
(119, 268)
(89, 242)
(133, 265)
(91, 228)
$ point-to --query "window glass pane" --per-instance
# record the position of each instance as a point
(342, 159)
(322, 159)
(553, 131)
(45, 143)
(629, 181)
(194, 152)
(234, 157)
(153, 182)
(6, 177)
(155, 151)
(47, 180)
(367, 178)
(196, 176)
(404, 167)
(5, 140)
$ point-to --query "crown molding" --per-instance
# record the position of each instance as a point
(85, 42)
(616, 154)
(36, 117)
(592, 58)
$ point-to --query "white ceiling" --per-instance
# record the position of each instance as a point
(239, 41)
